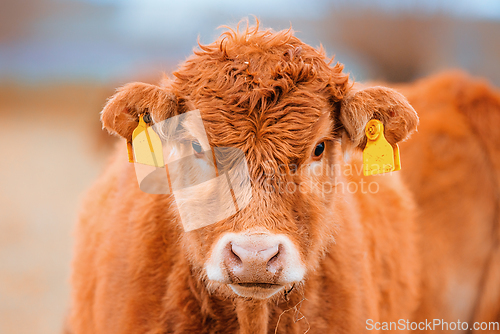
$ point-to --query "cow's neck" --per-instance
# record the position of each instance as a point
(227, 314)
(218, 314)
(253, 316)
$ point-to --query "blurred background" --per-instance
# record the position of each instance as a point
(61, 59)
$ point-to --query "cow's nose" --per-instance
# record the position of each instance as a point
(254, 260)
(254, 256)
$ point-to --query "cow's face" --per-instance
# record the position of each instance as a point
(272, 242)
(277, 101)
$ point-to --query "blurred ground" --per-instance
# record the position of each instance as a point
(61, 59)
(51, 148)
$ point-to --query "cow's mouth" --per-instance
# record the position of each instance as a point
(256, 290)
(259, 285)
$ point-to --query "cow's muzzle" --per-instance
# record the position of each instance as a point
(255, 264)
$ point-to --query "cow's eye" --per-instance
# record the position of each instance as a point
(197, 148)
(318, 151)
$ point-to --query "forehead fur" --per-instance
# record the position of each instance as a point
(261, 91)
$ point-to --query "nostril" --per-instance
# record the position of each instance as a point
(233, 257)
(275, 261)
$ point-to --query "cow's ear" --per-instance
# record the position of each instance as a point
(359, 106)
(121, 113)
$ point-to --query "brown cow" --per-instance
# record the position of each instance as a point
(299, 257)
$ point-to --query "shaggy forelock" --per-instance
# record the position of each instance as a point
(260, 91)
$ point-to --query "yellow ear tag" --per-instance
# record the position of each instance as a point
(146, 145)
(379, 156)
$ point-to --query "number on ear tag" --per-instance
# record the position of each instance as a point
(379, 156)
(146, 145)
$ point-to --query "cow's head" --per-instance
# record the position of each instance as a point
(292, 114)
